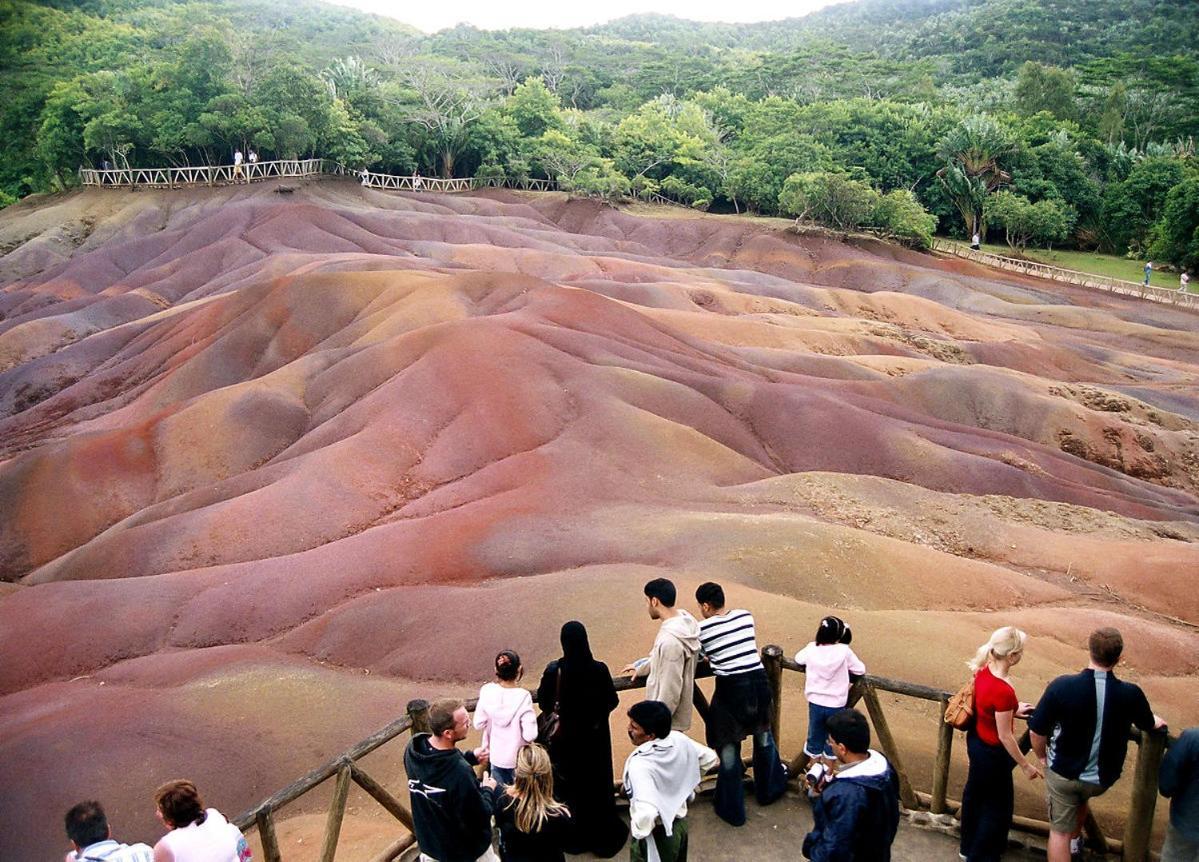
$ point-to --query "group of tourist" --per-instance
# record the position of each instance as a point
(549, 790)
(549, 787)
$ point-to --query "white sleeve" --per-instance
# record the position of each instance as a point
(642, 817)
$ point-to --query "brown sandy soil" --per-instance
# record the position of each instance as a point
(272, 464)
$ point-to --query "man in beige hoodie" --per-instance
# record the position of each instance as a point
(671, 664)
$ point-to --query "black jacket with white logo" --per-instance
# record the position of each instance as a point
(451, 812)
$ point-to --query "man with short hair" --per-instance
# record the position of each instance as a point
(856, 814)
(740, 706)
(671, 663)
(1079, 731)
(660, 778)
(451, 814)
(87, 827)
(1179, 782)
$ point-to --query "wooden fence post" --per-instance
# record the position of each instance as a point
(941, 766)
(1144, 796)
(887, 742)
(418, 711)
(337, 810)
(772, 658)
(266, 832)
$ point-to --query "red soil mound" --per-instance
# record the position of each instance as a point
(253, 446)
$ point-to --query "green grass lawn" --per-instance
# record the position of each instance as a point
(1095, 263)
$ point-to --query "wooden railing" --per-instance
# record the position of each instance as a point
(347, 769)
(1184, 299)
(206, 175)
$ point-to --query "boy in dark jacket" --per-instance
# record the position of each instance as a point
(857, 813)
(451, 813)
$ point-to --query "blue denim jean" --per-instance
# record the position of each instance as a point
(770, 778)
(817, 743)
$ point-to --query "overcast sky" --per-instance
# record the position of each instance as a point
(541, 14)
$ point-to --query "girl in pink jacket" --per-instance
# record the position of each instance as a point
(505, 715)
(829, 662)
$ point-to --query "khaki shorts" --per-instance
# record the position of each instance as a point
(1067, 796)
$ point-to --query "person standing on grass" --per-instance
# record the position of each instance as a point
(505, 715)
(1179, 782)
(988, 799)
(1183, 281)
(660, 778)
(976, 241)
(1148, 271)
(740, 706)
(671, 663)
(1080, 733)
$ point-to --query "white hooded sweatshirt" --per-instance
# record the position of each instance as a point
(506, 717)
(672, 667)
(660, 778)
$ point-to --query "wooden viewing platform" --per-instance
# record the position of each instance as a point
(924, 798)
(1170, 296)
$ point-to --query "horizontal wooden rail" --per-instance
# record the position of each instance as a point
(1182, 299)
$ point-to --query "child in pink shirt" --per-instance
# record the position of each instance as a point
(829, 662)
(505, 715)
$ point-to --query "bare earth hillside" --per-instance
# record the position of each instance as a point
(274, 461)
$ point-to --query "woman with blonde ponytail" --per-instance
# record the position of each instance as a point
(988, 799)
(533, 826)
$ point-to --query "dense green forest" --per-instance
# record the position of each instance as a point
(1058, 122)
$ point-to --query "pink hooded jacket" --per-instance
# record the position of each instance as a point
(505, 715)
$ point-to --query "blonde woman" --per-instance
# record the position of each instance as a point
(987, 800)
(533, 827)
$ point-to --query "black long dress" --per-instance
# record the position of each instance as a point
(582, 753)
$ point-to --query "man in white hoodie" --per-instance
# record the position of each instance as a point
(660, 778)
(671, 663)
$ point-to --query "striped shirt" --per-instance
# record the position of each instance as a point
(729, 642)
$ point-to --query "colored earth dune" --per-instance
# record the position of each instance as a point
(274, 461)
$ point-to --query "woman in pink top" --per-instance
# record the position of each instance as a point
(505, 715)
(829, 662)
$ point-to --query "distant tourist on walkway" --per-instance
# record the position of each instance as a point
(1148, 271)
(660, 778)
(976, 241)
(450, 811)
(88, 829)
(857, 812)
(988, 799)
(198, 834)
(671, 663)
(1080, 733)
(237, 160)
(533, 827)
(253, 157)
(1183, 281)
(582, 750)
(740, 706)
(1179, 782)
(829, 665)
(505, 715)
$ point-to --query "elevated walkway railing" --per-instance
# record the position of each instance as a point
(1071, 276)
(346, 768)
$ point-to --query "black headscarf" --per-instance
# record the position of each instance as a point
(576, 650)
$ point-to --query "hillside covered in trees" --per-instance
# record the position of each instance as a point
(1069, 122)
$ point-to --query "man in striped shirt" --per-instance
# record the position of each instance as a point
(740, 706)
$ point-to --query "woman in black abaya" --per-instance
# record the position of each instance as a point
(582, 752)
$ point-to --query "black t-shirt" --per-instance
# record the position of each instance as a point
(545, 845)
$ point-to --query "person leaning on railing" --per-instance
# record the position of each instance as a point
(988, 799)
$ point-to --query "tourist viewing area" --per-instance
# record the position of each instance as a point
(219, 175)
(926, 832)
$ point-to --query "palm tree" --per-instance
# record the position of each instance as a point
(972, 153)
